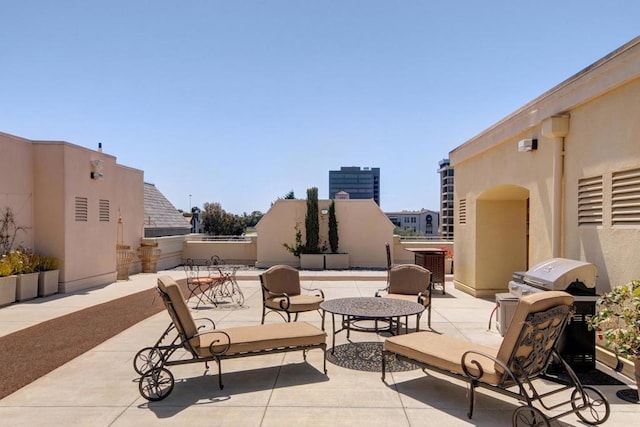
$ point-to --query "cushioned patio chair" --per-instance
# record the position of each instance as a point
(527, 349)
(282, 293)
(205, 343)
(409, 282)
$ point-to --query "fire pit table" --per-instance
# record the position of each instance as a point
(382, 311)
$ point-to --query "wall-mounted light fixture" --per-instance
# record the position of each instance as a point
(527, 145)
(324, 211)
(96, 169)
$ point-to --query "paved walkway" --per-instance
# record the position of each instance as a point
(100, 388)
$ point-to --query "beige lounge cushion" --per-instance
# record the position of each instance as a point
(171, 288)
(532, 303)
(261, 337)
(298, 303)
(444, 352)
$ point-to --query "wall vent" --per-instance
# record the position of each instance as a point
(462, 205)
(590, 201)
(103, 208)
(625, 197)
(82, 209)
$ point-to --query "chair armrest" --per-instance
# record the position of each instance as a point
(385, 289)
(285, 303)
(508, 374)
(216, 342)
(205, 319)
(314, 289)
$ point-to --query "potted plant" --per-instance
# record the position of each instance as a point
(24, 263)
(7, 282)
(335, 260)
(48, 268)
(448, 258)
(617, 321)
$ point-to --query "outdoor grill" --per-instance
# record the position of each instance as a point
(577, 346)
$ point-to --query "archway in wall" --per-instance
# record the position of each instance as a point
(501, 236)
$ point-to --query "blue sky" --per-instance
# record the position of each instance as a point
(239, 102)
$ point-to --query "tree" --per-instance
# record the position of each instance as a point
(333, 228)
(289, 196)
(217, 222)
(252, 219)
(312, 222)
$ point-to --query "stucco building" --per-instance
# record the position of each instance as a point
(423, 222)
(77, 204)
(568, 184)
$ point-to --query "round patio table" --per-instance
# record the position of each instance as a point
(380, 310)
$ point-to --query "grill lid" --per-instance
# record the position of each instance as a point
(556, 274)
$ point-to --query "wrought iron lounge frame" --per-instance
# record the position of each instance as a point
(540, 332)
(157, 382)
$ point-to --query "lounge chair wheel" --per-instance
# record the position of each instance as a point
(594, 409)
(529, 416)
(146, 359)
(156, 384)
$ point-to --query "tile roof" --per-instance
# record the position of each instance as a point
(159, 212)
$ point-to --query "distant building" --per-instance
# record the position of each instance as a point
(446, 199)
(358, 183)
(422, 222)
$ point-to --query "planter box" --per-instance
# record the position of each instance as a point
(27, 286)
(336, 261)
(7, 290)
(48, 282)
(448, 265)
(312, 261)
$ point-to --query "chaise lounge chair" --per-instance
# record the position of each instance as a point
(156, 381)
(527, 349)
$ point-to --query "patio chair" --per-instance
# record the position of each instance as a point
(390, 264)
(282, 293)
(526, 351)
(201, 283)
(409, 282)
(204, 343)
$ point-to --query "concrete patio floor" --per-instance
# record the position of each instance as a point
(99, 388)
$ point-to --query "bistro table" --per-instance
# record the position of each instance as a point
(380, 310)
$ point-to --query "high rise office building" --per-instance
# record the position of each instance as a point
(359, 183)
(446, 199)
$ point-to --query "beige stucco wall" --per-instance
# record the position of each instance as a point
(16, 183)
(601, 106)
(232, 252)
(363, 230)
(604, 138)
(40, 181)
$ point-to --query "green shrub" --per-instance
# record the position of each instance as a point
(617, 319)
(312, 222)
(5, 267)
(47, 263)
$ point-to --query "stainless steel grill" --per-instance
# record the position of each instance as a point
(577, 345)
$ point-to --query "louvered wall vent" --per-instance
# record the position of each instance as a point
(82, 209)
(625, 197)
(590, 201)
(462, 204)
(104, 210)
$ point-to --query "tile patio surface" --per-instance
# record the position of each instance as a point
(99, 388)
